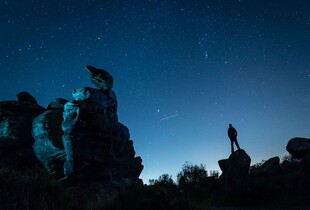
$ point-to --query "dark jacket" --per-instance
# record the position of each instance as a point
(232, 132)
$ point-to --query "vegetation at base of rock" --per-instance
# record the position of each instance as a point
(30, 189)
(259, 191)
(36, 189)
(164, 193)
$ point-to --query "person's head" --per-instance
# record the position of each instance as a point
(100, 78)
(230, 125)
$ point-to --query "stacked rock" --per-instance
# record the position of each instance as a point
(83, 139)
(15, 131)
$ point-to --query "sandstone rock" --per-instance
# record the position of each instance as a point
(236, 167)
(100, 77)
(102, 155)
(83, 140)
(26, 97)
(123, 131)
(270, 167)
(57, 103)
(101, 150)
(15, 131)
(298, 147)
(92, 111)
(47, 132)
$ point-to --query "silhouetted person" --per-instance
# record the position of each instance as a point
(232, 133)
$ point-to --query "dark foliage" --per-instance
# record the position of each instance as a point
(30, 190)
(164, 180)
(35, 189)
(192, 174)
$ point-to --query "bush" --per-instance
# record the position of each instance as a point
(163, 180)
(30, 189)
(257, 165)
(192, 174)
(286, 158)
(214, 174)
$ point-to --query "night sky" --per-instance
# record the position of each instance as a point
(183, 70)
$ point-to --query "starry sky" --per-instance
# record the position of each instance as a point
(183, 70)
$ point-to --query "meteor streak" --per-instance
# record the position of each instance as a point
(166, 118)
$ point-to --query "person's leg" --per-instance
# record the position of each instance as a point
(237, 144)
(232, 147)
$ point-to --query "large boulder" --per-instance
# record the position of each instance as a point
(270, 167)
(96, 145)
(298, 147)
(47, 132)
(26, 97)
(236, 167)
(15, 131)
(83, 141)
(99, 144)
(291, 167)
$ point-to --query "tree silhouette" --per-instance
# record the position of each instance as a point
(192, 174)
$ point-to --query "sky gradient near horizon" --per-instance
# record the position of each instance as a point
(183, 70)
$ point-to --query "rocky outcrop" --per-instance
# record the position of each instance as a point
(98, 152)
(82, 140)
(15, 131)
(26, 97)
(270, 167)
(48, 146)
(236, 167)
(298, 147)
(101, 148)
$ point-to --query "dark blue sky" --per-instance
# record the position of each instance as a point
(183, 70)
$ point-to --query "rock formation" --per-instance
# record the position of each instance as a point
(298, 147)
(83, 139)
(270, 167)
(80, 140)
(236, 167)
(46, 130)
(15, 131)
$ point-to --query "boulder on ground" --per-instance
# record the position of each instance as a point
(99, 145)
(15, 131)
(236, 167)
(26, 97)
(298, 147)
(270, 167)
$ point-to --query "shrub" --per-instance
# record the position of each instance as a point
(163, 180)
(192, 174)
(214, 174)
(30, 189)
(286, 158)
(257, 165)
